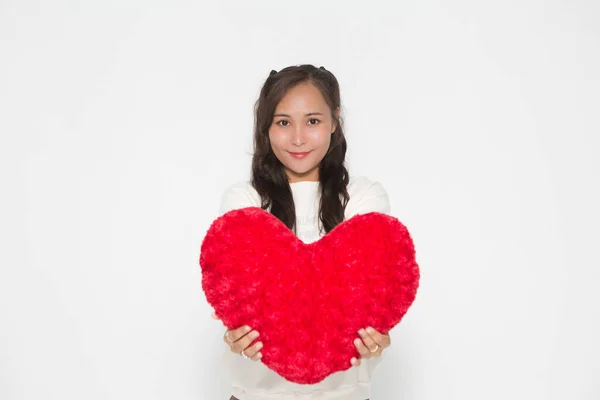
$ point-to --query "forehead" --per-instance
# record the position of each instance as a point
(302, 99)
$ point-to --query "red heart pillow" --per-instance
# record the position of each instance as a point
(308, 300)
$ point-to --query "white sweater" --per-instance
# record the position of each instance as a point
(252, 380)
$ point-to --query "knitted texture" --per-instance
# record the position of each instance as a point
(308, 300)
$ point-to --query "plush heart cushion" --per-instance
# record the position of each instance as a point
(308, 300)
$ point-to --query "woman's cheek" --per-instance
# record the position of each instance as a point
(325, 137)
(277, 134)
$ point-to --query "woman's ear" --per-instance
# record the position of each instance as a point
(335, 119)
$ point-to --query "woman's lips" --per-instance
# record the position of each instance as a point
(299, 155)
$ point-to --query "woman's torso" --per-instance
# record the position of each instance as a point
(252, 380)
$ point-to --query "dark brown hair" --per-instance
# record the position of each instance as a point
(268, 174)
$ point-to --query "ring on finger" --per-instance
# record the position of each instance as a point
(226, 336)
(376, 348)
(244, 355)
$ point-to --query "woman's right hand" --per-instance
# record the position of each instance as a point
(240, 342)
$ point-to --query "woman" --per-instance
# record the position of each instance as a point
(298, 175)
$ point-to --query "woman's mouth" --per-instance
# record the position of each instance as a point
(299, 155)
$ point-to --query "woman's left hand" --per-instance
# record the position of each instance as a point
(370, 344)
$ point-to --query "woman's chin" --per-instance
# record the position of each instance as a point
(303, 174)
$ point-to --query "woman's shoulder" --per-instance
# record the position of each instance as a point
(366, 195)
(362, 186)
(239, 195)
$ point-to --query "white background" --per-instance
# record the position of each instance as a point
(122, 123)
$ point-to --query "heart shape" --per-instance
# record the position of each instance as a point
(308, 300)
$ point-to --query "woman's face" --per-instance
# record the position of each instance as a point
(302, 125)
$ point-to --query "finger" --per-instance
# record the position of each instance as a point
(368, 341)
(231, 336)
(355, 361)
(253, 349)
(362, 349)
(236, 334)
(244, 342)
(379, 338)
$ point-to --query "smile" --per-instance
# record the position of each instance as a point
(299, 155)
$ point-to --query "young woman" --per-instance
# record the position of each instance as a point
(298, 175)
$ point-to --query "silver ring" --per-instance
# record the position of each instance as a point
(226, 336)
(376, 348)
(243, 355)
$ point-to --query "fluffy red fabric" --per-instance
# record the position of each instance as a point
(308, 300)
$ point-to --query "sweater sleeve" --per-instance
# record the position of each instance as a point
(370, 196)
(238, 195)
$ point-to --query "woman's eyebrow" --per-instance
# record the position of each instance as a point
(306, 115)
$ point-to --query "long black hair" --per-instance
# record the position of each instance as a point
(268, 173)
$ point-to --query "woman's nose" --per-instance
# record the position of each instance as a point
(299, 137)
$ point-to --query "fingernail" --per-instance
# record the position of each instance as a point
(259, 356)
(361, 332)
(259, 345)
(370, 330)
(353, 361)
(254, 334)
(247, 329)
(357, 342)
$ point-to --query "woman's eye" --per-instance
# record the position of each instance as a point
(312, 121)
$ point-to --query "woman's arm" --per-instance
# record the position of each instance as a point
(369, 196)
(242, 339)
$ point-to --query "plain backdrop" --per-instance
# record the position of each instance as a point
(122, 123)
